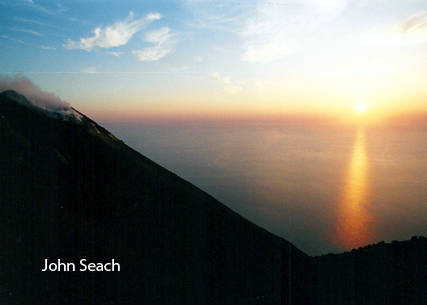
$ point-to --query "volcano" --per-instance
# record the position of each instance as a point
(71, 192)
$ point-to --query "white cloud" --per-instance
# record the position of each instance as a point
(13, 39)
(48, 9)
(28, 31)
(165, 45)
(415, 22)
(217, 78)
(232, 89)
(412, 30)
(275, 49)
(229, 87)
(153, 16)
(179, 69)
(117, 54)
(46, 48)
(115, 35)
(151, 53)
(278, 28)
(90, 70)
(159, 36)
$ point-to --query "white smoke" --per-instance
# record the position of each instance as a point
(44, 100)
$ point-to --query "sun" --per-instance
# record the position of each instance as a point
(361, 107)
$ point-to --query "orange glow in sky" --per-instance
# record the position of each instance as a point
(192, 59)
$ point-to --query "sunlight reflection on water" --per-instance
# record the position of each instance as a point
(354, 221)
(323, 188)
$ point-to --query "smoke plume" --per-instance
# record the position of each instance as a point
(44, 100)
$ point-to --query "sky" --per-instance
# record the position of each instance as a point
(201, 60)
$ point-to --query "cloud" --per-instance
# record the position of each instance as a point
(217, 78)
(275, 31)
(217, 15)
(275, 49)
(28, 31)
(115, 35)
(410, 31)
(90, 70)
(179, 69)
(13, 39)
(117, 54)
(47, 10)
(232, 89)
(415, 22)
(165, 45)
(46, 48)
(41, 99)
(229, 87)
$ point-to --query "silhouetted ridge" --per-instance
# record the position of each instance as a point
(384, 273)
(70, 190)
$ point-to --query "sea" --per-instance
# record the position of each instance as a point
(325, 188)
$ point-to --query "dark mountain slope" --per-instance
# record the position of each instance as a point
(393, 273)
(70, 191)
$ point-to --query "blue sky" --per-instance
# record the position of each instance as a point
(131, 60)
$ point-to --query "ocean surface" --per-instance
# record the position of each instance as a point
(326, 189)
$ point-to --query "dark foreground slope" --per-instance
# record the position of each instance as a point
(70, 190)
(384, 273)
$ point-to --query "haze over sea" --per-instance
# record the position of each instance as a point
(323, 188)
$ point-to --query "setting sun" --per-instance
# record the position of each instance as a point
(361, 107)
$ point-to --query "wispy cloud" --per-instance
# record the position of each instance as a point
(276, 29)
(228, 87)
(114, 35)
(28, 31)
(165, 45)
(29, 20)
(217, 22)
(217, 78)
(411, 30)
(90, 70)
(37, 22)
(44, 9)
(180, 69)
(13, 39)
(232, 89)
(414, 23)
(46, 48)
(278, 47)
(217, 15)
(117, 54)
